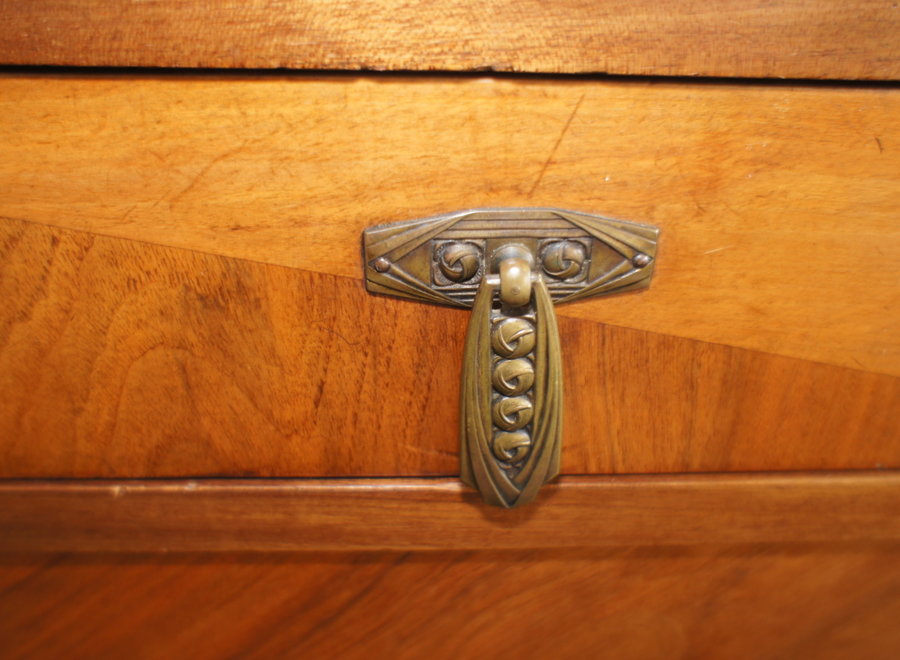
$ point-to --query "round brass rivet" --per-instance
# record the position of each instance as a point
(640, 260)
(382, 264)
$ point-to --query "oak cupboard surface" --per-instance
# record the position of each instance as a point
(190, 369)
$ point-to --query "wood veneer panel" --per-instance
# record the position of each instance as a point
(733, 602)
(123, 359)
(777, 204)
(784, 39)
(441, 514)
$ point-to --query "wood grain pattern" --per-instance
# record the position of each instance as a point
(784, 39)
(733, 603)
(123, 359)
(441, 514)
(777, 204)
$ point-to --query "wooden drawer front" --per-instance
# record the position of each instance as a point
(838, 39)
(182, 287)
(182, 297)
(683, 603)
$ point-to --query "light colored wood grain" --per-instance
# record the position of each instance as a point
(734, 603)
(124, 359)
(778, 205)
(441, 514)
(782, 39)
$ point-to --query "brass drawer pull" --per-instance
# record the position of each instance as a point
(509, 266)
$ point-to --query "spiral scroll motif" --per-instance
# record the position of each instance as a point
(459, 261)
(563, 259)
(513, 377)
(511, 414)
(511, 447)
(513, 338)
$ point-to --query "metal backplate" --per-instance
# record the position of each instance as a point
(443, 259)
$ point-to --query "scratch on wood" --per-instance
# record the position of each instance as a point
(127, 213)
(206, 168)
(880, 146)
(337, 334)
(556, 146)
(719, 249)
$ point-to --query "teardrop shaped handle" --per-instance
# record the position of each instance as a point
(510, 437)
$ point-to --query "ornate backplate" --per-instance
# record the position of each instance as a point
(443, 259)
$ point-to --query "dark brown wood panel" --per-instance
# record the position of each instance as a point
(125, 359)
(778, 205)
(441, 514)
(732, 603)
(781, 39)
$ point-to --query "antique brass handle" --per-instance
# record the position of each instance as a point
(509, 266)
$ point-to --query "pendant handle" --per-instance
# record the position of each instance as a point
(511, 392)
(509, 266)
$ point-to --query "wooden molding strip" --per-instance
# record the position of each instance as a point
(440, 514)
(780, 38)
